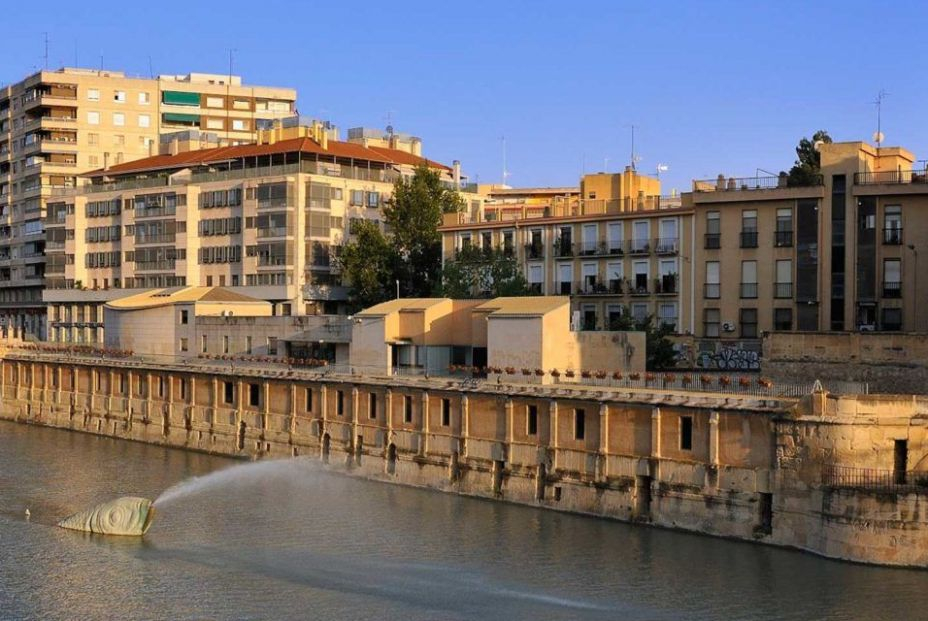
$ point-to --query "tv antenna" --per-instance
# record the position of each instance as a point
(45, 58)
(634, 157)
(661, 168)
(506, 172)
(878, 136)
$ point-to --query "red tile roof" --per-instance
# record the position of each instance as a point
(303, 145)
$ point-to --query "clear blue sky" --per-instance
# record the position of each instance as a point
(713, 87)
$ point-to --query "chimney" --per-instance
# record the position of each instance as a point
(456, 174)
(106, 160)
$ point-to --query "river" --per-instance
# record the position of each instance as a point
(288, 540)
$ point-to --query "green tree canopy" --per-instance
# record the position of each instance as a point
(477, 273)
(368, 264)
(808, 163)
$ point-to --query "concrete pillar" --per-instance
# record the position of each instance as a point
(239, 401)
(603, 440)
(215, 400)
(355, 398)
(655, 432)
(714, 438)
(510, 422)
(94, 374)
(424, 435)
(552, 434)
(465, 423)
(292, 407)
(266, 403)
(323, 408)
(388, 416)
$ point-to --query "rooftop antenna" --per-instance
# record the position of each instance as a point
(151, 72)
(389, 119)
(878, 136)
(605, 164)
(505, 171)
(228, 96)
(662, 168)
(634, 157)
(46, 50)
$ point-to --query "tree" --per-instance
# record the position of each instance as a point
(368, 264)
(414, 214)
(658, 348)
(475, 273)
(808, 164)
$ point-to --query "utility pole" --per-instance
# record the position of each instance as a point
(46, 50)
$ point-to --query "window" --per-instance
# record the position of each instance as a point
(748, 279)
(642, 232)
(119, 96)
(228, 392)
(93, 118)
(119, 119)
(782, 319)
(215, 102)
(667, 315)
(373, 199)
(93, 139)
(119, 140)
(183, 343)
(532, 420)
(713, 230)
(144, 98)
(225, 344)
(215, 124)
(272, 345)
(579, 424)
(407, 408)
(783, 288)
(144, 120)
(93, 94)
(565, 278)
(309, 399)
(749, 228)
(239, 125)
(184, 317)
(445, 412)
(356, 198)
(891, 319)
(203, 344)
(784, 233)
(892, 225)
(254, 395)
(93, 161)
(686, 433)
(640, 272)
(713, 287)
(892, 278)
(372, 406)
(339, 403)
(710, 322)
(748, 323)
(639, 311)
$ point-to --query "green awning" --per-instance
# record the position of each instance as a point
(179, 98)
(176, 117)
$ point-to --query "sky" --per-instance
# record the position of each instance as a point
(711, 87)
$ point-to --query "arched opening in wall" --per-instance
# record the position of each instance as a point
(498, 467)
(540, 476)
(453, 467)
(643, 490)
(358, 449)
(241, 435)
(326, 446)
(391, 459)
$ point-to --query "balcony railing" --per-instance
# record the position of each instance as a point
(667, 245)
(591, 248)
(890, 177)
(157, 238)
(748, 290)
(783, 290)
(149, 266)
(713, 241)
(892, 289)
(275, 231)
(636, 287)
(712, 291)
(892, 481)
(535, 251)
(565, 288)
(749, 239)
(563, 248)
(639, 246)
(743, 184)
(893, 236)
(783, 239)
(665, 285)
(155, 212)
(266, 261)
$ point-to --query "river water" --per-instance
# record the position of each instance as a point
(287, 540)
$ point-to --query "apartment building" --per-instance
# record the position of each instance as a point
(265, 219)
(839, 253)
(617, 248)
(56, 124)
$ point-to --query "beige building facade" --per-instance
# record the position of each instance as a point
(266, 219)
(57, 124)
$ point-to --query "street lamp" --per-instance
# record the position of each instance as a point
(397, 288)
(915, 292)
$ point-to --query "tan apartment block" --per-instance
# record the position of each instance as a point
(839, 254)
(57, 124)
(265, 219)
(618, 250)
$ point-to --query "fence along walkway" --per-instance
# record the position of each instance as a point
(891, 481)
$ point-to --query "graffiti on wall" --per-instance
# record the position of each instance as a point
(726, 358)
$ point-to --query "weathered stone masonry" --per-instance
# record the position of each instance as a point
(718, 464)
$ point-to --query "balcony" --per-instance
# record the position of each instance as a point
(713, 241)
(153, 266)
(275, 231)
(748, 290)
(638, 287)
(892, 289)
(591, 248)
(783, 239)
(563, 248)
(640, 246)
(712, 291)
(783, 290)
(666, 285)
(565, 288)
(593, 287)
(749, 184)
(893, 236)
(157, 238)
(155, 212)
(534, 251)
(667, 245)
(891, 177)
(535, 288)
(266, 261)
(749, 239)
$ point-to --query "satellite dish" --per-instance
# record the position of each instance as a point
(662, 168)
(817, 145)
(878, 137)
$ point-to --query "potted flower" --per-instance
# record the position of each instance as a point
(555, 373)
(586, 374)
(649, 378)
(764, 383)
(510, 370)
(669, 378)
(744, 382)
(526, 371)
(600, 374)
(569, 373)
(705, 380)
(634, 376)
(617, 375)
(724, 380)
(539, 372)
(686, 380)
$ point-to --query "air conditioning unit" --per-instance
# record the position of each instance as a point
(728, 326)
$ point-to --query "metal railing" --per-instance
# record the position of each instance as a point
(148, 266)
(749, 239)
(892, 237)
(782, 289)
(742, 184)
(891, 177)
(667, 245)
(783, 239)
(892, 289)
(275, 231)
(157, 238)
(712, 291)
(748, 290)
(713, 241)
(534, 251)
(874, 479)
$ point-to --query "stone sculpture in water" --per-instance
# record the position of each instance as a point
(129, 515)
